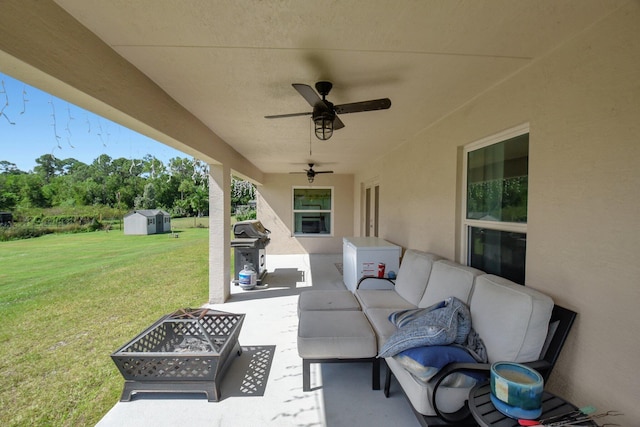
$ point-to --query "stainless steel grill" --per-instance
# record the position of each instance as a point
(249, 245)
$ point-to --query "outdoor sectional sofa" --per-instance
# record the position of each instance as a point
(516, 323)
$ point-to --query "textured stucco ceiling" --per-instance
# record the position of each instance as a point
(230, 63)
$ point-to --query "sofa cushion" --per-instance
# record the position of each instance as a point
(333, 299)
(511, 319)
(424, 362)
(379, 298)
(413, 274)
(379, 320)
(449, 279)
(335, 335)
(449, 399)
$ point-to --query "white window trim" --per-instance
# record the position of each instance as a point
(492, 225)
(294, 211)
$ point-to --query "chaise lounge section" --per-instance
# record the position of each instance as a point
(339, 336)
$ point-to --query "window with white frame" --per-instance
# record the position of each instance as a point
(496, 175)
(312, 211)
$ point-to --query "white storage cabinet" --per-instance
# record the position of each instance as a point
(361, 255)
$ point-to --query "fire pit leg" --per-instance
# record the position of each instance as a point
(210, 388)
(215, 395)
(129, 387)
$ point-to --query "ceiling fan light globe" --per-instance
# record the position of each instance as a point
(323, 127)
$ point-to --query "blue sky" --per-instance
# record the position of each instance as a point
(44, 124)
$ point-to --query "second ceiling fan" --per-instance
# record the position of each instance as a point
(325, 114)
(311, 174)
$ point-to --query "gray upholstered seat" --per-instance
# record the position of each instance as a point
(334, 299)
(335, 335)
(330, 336)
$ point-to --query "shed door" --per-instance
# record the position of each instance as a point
(159, 223)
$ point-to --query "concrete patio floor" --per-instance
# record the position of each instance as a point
(263, 387)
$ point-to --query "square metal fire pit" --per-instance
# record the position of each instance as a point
(185, 351)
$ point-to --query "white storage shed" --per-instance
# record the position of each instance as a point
(147, 221)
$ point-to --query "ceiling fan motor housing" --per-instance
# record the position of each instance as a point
(323, 109)
(324, 88)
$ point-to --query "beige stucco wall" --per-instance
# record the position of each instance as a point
(275, 211)
(583, 106)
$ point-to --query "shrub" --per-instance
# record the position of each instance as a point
(18, 232)
(245, 213)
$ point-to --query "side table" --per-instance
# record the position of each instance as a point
(487, 415)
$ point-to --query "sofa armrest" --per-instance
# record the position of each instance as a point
(542, 366)
(463, 413)
(377, 280)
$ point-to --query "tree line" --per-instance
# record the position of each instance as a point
(181, 186)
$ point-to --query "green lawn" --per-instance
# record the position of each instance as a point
(68, 301)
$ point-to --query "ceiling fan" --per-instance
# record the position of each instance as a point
(325, 114)
(311, 174)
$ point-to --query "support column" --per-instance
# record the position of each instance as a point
(219, 233)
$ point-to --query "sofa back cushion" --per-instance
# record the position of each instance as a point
(449, 279)
(413, 274)
(511, 319)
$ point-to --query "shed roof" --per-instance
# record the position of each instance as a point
(149, 212)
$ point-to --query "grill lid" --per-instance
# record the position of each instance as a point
(250, 229)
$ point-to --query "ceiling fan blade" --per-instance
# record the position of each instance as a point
(356, 107)
(279, 116)
(307, 93)
(337, 123)
(317, 172)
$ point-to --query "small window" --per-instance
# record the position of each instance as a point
(312, 211)
(495, 204)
